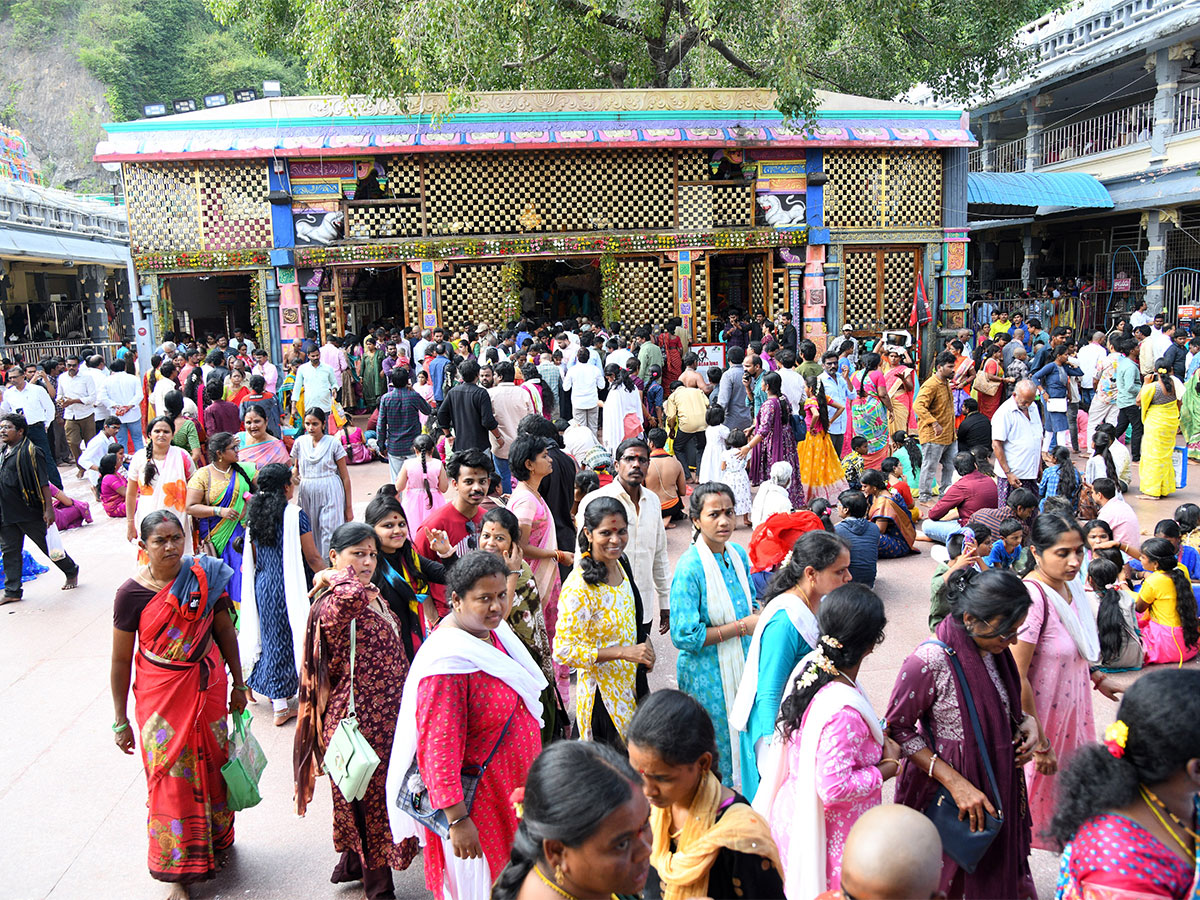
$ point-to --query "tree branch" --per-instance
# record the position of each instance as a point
(531, 62)
(736, 61)
(610, 19)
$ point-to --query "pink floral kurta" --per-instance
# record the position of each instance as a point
(847, 780)
(1063, 697)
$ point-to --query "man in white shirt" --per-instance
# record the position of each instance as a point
(318, 382)
(647, 547)
(95, 369)
(578, 440)
(837, 397)
(620, 355)
(89, 459)
(267, 369)
(1089, 358)
(77, 394)
(584, 382)
(240, 342)
(1017, 441)
(419, 346)
(122, 394)
(32, 401)
(163, 386)
(1160, 336)
(791, 381)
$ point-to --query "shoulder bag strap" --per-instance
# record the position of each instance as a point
(961, 678)
(500, 740)
(353, 643)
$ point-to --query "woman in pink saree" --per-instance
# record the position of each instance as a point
(900, 378)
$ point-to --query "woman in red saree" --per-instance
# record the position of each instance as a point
(992, 359)
(672, 348)
(961, 380)
(177, 609)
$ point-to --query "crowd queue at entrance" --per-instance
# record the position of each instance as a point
(487, 630)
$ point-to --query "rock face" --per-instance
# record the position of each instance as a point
(57, 105)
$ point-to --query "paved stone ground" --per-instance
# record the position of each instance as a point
(72, 807)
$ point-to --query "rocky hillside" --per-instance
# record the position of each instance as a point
(75, 64)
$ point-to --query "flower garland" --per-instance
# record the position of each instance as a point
(165, 309)
(610, 288)
(512, 277)
(258, 311)
(200, 259)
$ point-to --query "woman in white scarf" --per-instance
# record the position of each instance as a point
(828, 763)
(1055, 650)
(773, 496)
(473, 691)
(623, 410)
(787, 631)
(712, 616)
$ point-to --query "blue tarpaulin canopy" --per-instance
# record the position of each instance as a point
(1065, 189)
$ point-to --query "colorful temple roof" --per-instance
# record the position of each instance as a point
(331, 126)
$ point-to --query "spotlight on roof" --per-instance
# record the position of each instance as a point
(245, 95)
(153, 110)
(184, 105)
(272, 89)
(214, 100)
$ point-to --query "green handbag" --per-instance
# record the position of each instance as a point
(245, 766)
(349, 759)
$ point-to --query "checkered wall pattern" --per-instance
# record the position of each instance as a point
(693, 165)
(883, 188)
(403, 175)
(878, 288)
(647, 289)
(470, 292)
(758, 283)
(412, 293)
(234, 211)
(780, 302)
(715, 206)
(488, 193)
(899, 282)
(860, 290)
(383, 221)
(164, 207)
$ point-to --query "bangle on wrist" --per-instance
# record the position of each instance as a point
(118, 727)
(461, 818)
(241, 687)
(932, 761)
(1039, 748)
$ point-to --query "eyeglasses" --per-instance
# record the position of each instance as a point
(639, 460)
(994, 636)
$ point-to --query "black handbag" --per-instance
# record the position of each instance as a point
(414, 795)
(961, 844)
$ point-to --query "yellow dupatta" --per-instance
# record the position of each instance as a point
(684, 872)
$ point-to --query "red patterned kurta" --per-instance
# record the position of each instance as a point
(460, 718)
(380, 667)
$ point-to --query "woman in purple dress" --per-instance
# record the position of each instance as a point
(773, 439)
(927, 717)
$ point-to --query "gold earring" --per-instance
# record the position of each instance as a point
(558, 875)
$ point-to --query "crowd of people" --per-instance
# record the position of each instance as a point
(486, 631)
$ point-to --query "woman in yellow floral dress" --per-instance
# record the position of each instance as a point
(600, 634)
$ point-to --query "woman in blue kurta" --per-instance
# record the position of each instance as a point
(786, 633)
(711, 615)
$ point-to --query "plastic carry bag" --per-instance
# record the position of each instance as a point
(245, 767)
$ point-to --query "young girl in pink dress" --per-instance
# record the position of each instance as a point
(829, 759)
(422, 482)
(355, 442)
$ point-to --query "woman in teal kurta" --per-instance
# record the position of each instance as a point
(786, 633)
(711, 615)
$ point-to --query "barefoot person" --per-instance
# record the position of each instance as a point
(26, 509)
(177, 610)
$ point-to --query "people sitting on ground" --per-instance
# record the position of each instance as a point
(975, 430)
(820, 508)
(772, 496)
(853, 462)
(890, 515)
(861, 534)
(1121, 648)
(895, 475)
(113, 485)
(908, 451)
(1006, 548)
(966, 547)
(971, 492)
(1166, 606)
(1061, 480)
(1020, 504)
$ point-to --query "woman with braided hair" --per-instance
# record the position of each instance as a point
(830, 758)
(1166, 606)
(422, 482)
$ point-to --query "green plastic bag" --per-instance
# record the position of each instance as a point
(245, 766)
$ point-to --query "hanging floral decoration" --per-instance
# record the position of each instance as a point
(512, 277)
(258, 319)
(610, 288)
(224, 259)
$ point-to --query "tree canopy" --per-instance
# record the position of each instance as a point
(878, 48)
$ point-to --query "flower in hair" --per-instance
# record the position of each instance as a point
(517, 797)
(830, 641)
(1115, 736)
(809, 678)
(824, 663)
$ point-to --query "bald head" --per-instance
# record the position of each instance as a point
(892, 853)
(1024, 392)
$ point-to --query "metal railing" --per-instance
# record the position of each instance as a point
(36, 351)
(1006, 157)
(1187, 109)
(1119, 128)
